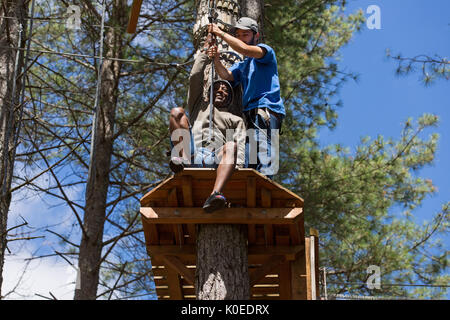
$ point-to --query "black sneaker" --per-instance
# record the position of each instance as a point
(176, 164)
(216, 201)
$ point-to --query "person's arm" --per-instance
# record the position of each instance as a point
(196, 80)
(238, 45)
(223, 72)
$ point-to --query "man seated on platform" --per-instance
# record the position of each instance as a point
(221, 146)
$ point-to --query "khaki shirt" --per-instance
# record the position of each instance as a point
(226, 125)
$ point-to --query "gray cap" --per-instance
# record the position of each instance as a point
(246, 23)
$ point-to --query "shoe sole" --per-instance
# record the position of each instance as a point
(215, 204)
(176, 167)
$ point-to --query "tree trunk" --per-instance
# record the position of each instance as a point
(11, 63)
(222, 262)
(254, 9)
(98, 180)
(222, 257)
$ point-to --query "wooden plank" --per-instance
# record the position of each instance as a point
(266, 202)
(308, 268)
(203, 178)
(230, 185)
(314, 279)
(167, 291)
(294, 234)
(172, 198)
(187, 191)
(186, 251)
(189, 291)
(265, 297)
(251, 203)
(260, 235)
(301, 228)
(172, 201)
(192, 233)
(266, 198)
(278, 191)
(285, 281)
(160, 281)
(165, 234)
(134, 16)
(173, 281)
(145, 200)
(267, 280)
(171, 215)
(271, 263)
(243, 173)
(251, 192)
(185, 259)
(251, 234)
(150, 232)
(159, 271)
(175, 263)
(315, 235)
(178, 232)
(282, 236)
(268, 230)
(291, 253)
(274, 289)
(231, 194)
(299, 277)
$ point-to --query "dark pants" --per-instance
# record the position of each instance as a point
(260, 153)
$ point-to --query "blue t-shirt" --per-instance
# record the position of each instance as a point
(260, 83)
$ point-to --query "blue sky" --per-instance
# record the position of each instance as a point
(380, 102)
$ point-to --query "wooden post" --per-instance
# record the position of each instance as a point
(312, 268)
(134, 16)
(315, 251)
(251, 203)
(300, 275)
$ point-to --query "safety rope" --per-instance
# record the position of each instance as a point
(212, 19)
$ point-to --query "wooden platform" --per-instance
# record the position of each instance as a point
(277, 247)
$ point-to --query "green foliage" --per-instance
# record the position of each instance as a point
(430, 68)
(361, 202)
(306, 37)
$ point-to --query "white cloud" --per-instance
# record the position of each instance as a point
(44, 275)
(41, 277)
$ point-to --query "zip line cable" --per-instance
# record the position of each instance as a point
(52, 20)
(99, 57)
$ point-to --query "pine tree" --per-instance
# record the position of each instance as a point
(12, 39)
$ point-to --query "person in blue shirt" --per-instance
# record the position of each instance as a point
(263, 107)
